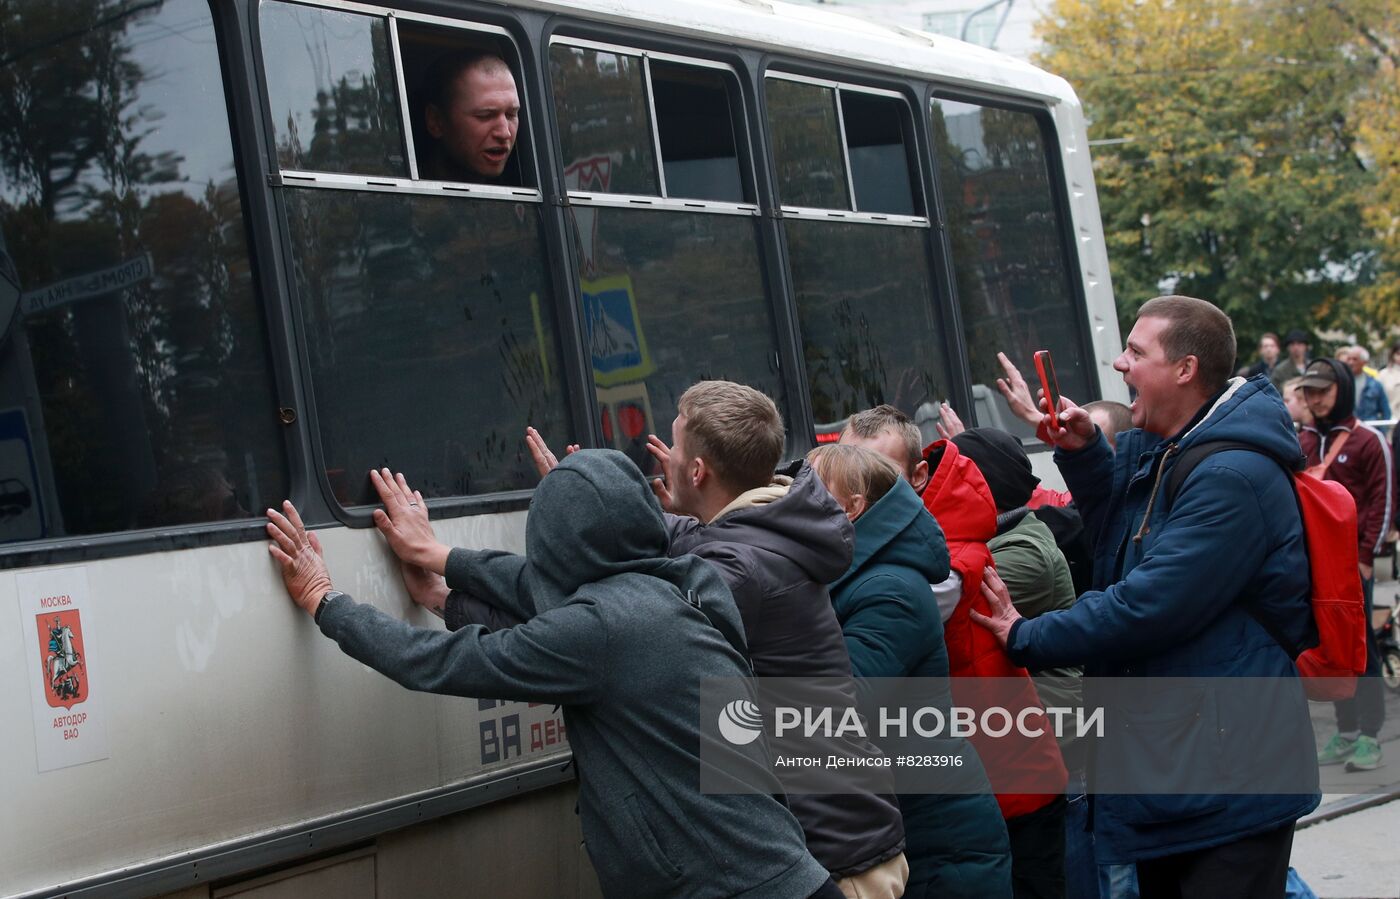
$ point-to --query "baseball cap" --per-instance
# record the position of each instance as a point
(1319, 373)
(1295, 336)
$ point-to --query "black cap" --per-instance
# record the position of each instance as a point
(1296, 336)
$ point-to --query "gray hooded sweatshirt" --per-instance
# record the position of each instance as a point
(621, 636)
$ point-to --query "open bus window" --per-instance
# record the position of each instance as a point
(464, 103)
(870, 331)
(876, 147)
(332, 90)
(1014, 282)
(807, 145)
(429, 337)
(699, 155)
(600, 103)
(135, 382)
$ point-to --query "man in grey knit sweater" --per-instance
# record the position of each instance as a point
(618, 634)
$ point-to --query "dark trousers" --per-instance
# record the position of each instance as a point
(1255, 867)
(1038, 852)
(1366, 710)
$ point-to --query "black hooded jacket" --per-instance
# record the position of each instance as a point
(777, 558)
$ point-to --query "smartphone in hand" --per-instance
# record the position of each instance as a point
(1045, 367)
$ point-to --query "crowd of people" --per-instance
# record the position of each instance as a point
(880, 557)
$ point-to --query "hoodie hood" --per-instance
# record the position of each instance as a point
(593, 517)
(898, 530)
(1252, 412)
(806, 526)
(958, 496)
(1345, 407)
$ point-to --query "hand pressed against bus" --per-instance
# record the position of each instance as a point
(472, 112)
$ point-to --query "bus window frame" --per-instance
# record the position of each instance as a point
(664, 200)
(914, 92)
(1059, 197)
(246, 123)
(909, 122)
(327, 509)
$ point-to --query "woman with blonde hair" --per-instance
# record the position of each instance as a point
(956, 842)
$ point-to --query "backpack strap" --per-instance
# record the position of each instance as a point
(1185, 464)
(1194, 455)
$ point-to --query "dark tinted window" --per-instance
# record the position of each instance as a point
(1014, 283)
(670, 298)
(429, 325)
(807, 145)
(600, 102)
(880, 162)
(698, 152)
(870, 330)
(331, 84)
(134, 380)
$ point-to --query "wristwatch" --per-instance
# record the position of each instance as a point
(325, 601)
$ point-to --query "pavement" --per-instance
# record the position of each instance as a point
(1350, 847)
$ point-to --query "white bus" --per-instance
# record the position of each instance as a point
(225, 280)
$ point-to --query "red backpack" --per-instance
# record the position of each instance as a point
(1329, 670)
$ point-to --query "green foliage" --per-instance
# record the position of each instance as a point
(1237, 174)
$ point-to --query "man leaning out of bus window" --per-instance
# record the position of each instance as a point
(621, 636)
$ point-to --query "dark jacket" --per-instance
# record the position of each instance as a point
(957, 842)
(1187, 600)
(1372, 404)
(609, 635)
(1026, 772)
(777, 558)
(1365, 468)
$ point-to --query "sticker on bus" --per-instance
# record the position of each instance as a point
(70, 722)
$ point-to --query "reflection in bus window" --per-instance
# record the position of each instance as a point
(699, 155)
(429, 326)
(880, 162)
(331, 84)
(870, 332)
(605, 136)
(1014, 284)
(464, 104)
(807, 145)
(135, 352)
(670, 298)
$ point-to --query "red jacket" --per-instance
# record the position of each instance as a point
(1365, 469)
(958, 496)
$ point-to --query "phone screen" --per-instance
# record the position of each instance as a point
(1045, 367)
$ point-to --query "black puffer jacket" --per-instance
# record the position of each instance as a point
(777, 558)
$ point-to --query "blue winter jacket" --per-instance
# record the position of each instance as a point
(1191, 599)
(956, 843)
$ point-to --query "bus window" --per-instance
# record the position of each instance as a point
(135, 385)
(699, 155)
(464, 105)
(428, 324)
(333, 92)
(870, 332)
(807, 145)
(600, 103)
(1015, 287)
(671, 298)
(880, 161)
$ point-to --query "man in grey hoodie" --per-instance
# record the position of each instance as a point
(777, 542)
(617, 633)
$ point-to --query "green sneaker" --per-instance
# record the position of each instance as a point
(1337, 750)
(1366, 756)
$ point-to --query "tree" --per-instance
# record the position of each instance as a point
(1233, 171)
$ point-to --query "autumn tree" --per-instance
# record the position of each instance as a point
(1230, 164)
